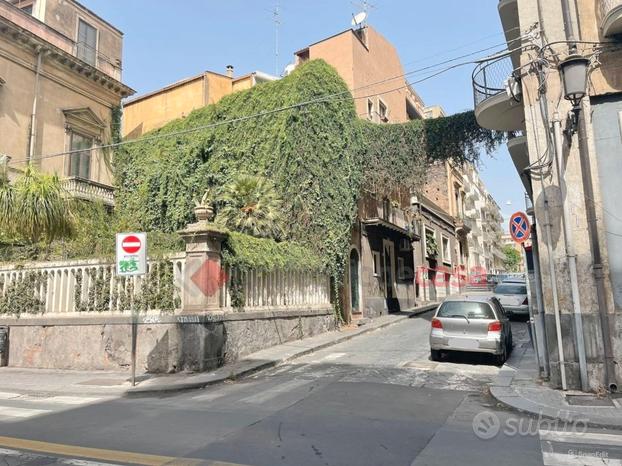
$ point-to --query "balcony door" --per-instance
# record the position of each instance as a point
(87, 43)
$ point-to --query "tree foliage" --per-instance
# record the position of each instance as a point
(319, 157)
(35, 208)
(512, 259)
(249, 204)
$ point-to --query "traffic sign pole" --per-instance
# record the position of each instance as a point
(132, 262)
(134, 344)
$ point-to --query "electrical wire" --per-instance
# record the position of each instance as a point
(323, 99)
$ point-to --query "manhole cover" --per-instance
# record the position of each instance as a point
(587, 400)
(103, 382)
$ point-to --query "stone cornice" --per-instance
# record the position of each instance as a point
(26, 39)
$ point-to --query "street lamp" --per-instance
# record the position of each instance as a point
(573, 72)
(574, 75)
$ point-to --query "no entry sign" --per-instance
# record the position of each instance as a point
(131, 254)
(520, 228)
(131, 244)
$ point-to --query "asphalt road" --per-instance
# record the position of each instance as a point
(374, 400)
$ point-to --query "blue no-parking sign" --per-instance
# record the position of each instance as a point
(520, 228)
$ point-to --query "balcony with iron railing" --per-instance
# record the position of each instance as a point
(31, 27)
(610, 15)
(497, 95)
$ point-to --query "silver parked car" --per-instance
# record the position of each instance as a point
(513, 297)
(476, 324)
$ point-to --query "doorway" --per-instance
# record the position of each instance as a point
(388, 254)
(355, 281)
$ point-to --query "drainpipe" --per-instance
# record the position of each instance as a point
(592, 223)
(540, 323)
(551, 263)
(33, 116)
(553, 276)
(597, 265)
(569, 26)
(570, 253)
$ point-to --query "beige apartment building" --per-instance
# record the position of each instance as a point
(558, 92)
(153, 110)
(60, 81)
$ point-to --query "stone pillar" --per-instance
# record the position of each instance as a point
(203, 273)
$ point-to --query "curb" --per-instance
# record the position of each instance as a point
(503, 391)
(260, 366)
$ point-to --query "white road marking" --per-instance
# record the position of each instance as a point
(559, 459)
(262, 397)
(9, 395)
(214, 393)
(329, 357)
(579, 448)
(23, 413)
(4, 453)
(587, 438)
(71, 400)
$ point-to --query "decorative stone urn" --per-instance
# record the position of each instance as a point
(203, 209)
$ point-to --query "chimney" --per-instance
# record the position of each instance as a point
(230, 71)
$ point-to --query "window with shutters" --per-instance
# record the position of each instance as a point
(87, 43)
(80, 157)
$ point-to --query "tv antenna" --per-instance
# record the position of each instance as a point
(276, 17)
(359, 19)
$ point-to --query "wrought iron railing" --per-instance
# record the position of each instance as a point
(489, 78)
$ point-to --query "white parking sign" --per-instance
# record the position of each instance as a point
(131, 254)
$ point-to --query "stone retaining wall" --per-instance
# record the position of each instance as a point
(165, 344)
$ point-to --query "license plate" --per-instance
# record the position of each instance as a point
(465, 343)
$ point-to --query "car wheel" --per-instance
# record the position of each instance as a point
(435, 355)
(501, 358)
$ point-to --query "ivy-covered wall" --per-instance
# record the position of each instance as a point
(320, 157)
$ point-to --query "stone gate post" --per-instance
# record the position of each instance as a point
(204, 274)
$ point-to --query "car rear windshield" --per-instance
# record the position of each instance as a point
(511, 288)
(468, 309)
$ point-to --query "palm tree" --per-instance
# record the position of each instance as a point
(35, 207)
(249, 204)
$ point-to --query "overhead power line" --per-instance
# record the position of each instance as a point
(319, 100)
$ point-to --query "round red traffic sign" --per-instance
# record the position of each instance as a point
(520, 228)
(131, 244)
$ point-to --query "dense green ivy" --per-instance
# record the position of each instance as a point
(320, 158)
(245, 252)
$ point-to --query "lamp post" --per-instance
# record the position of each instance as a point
(574, 74)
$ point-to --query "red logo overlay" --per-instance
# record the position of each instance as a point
(210, 277)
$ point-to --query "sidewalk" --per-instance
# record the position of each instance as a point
(518, 387)
(47, 382)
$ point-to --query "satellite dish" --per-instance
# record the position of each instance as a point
(359, 19)
(289, 69)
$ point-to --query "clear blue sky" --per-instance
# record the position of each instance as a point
(167, 41)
